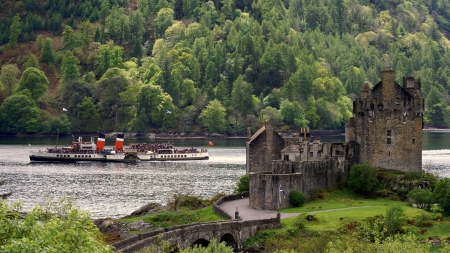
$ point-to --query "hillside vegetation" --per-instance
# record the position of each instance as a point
(216, 66)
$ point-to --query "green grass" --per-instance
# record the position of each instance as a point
(336, 220)
(335, 200)
(168, 219)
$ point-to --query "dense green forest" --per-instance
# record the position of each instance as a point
(212, 66)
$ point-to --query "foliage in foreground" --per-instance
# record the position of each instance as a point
(397, 243)
(54, 227)
(162, 246)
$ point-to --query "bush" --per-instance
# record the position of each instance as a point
(441, 194)
(2, 50)
(243, 184)
(363, 179)
(297, 198)
(422, 198)
(49, 227)
(395, 218)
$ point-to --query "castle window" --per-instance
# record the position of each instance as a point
(414, 141)
(311, 154)
(388, 140)
(319, 154)
(388, 133)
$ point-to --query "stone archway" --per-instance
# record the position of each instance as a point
(201, 242)
(229, 240)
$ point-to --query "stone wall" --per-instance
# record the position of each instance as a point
(306, 177)
(220, 211)
(263, 147)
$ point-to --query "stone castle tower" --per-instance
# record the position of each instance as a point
(387, 124)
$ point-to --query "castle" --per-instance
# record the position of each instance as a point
(385, 131)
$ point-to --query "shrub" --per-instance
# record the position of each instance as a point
(441, 194)
(297, 198)
(243, 184)
(422, 198)
(363, 179)
(395, 218)
(2, 50)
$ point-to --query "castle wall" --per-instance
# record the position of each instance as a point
(306, 177)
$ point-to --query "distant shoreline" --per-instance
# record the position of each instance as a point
(201, 135)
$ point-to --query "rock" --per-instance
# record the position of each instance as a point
(147, 209)
(139, 225)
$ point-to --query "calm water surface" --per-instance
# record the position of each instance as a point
(116, 189)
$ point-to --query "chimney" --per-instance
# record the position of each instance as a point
(119, 142)
(100, 142)
(388, 85)
(249, 132)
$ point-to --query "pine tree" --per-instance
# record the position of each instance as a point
(15, 31)
(47, 52)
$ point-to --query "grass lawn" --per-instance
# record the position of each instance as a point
(338, 209)
(168, 219)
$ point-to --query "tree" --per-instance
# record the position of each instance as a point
(213, 116)
(86, 34)
(15, 31)
(88, 115)
(68, 35)
(32, 61)
(362, 179)
(437, 108)
(270, 115)
(19, 114)
(54, 227)
(47, 51)
(163, 20)
(69, 68)
(35, 81)
(108, 56)
(293, 113)
(8, 77)
(110, 103)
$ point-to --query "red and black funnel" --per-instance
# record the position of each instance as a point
(119, 142)
(100, 142)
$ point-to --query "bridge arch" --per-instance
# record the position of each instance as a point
(201, 242)
(229, 240)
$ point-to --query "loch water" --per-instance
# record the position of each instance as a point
(117, 189)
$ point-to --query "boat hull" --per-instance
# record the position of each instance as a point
(173, 157)
(97, 157)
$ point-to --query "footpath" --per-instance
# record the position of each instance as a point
(246, 213)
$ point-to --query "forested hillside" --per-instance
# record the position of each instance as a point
(216, 66)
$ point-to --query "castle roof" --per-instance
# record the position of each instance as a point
(291, 149)
(258, 133)
(415, 93)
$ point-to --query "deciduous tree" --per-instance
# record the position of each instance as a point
(35, 81)
(213, 117)
(8, 77)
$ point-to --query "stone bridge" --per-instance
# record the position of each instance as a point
(232, 232)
